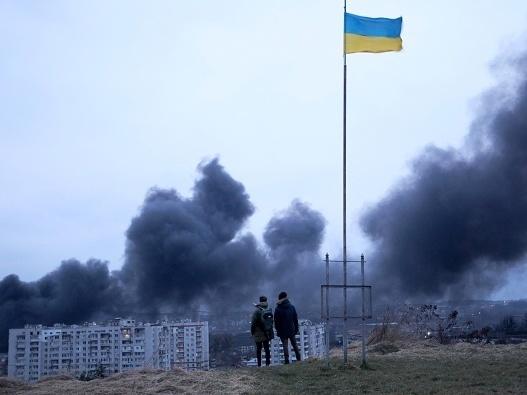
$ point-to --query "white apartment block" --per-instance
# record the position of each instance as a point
(311, 342)
(118, 346)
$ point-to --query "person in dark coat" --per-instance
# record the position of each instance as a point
(286, 324)
(262, 330)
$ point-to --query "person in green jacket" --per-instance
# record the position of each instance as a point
(262, 330)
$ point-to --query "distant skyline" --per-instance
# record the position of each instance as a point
(102, 100)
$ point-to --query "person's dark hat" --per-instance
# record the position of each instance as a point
(282, 295)
(263, 299)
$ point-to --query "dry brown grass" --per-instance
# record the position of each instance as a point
(141, 382)
(416, 368)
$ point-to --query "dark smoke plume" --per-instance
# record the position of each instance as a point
(459, 222)
(294, 238)
(190, 250)
(71, 294)
(180, 253)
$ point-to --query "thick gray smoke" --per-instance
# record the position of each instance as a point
(294, 238)
(459, 222)
(72, 293)
(180, 253)
(190, 250)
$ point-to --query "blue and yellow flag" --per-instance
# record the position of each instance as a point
(363, 34)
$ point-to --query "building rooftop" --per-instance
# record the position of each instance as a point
(115, 322)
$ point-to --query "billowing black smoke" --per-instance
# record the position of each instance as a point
(191, 250)
(294, 238)
(72, 293)
(180, 253)
(459, 222)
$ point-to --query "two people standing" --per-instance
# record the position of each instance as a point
(286, 324)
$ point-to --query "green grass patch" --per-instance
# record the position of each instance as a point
(465, 369)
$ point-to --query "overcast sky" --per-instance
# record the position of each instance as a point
(101, 100)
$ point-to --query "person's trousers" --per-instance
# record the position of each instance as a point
(285, 344)
(265, 345)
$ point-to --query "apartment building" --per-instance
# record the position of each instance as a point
(117, 346)
(311, 341)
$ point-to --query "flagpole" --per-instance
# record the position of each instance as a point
(344, 246)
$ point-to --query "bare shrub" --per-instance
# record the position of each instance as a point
(387, 331)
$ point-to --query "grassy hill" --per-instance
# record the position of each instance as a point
(424, 368)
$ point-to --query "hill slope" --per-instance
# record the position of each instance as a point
(423, 368)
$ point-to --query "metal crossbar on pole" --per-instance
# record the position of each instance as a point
(324, 291)
(325, 310)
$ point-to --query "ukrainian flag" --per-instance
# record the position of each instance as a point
(363, 34)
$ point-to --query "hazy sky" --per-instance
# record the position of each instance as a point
(101, 100)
